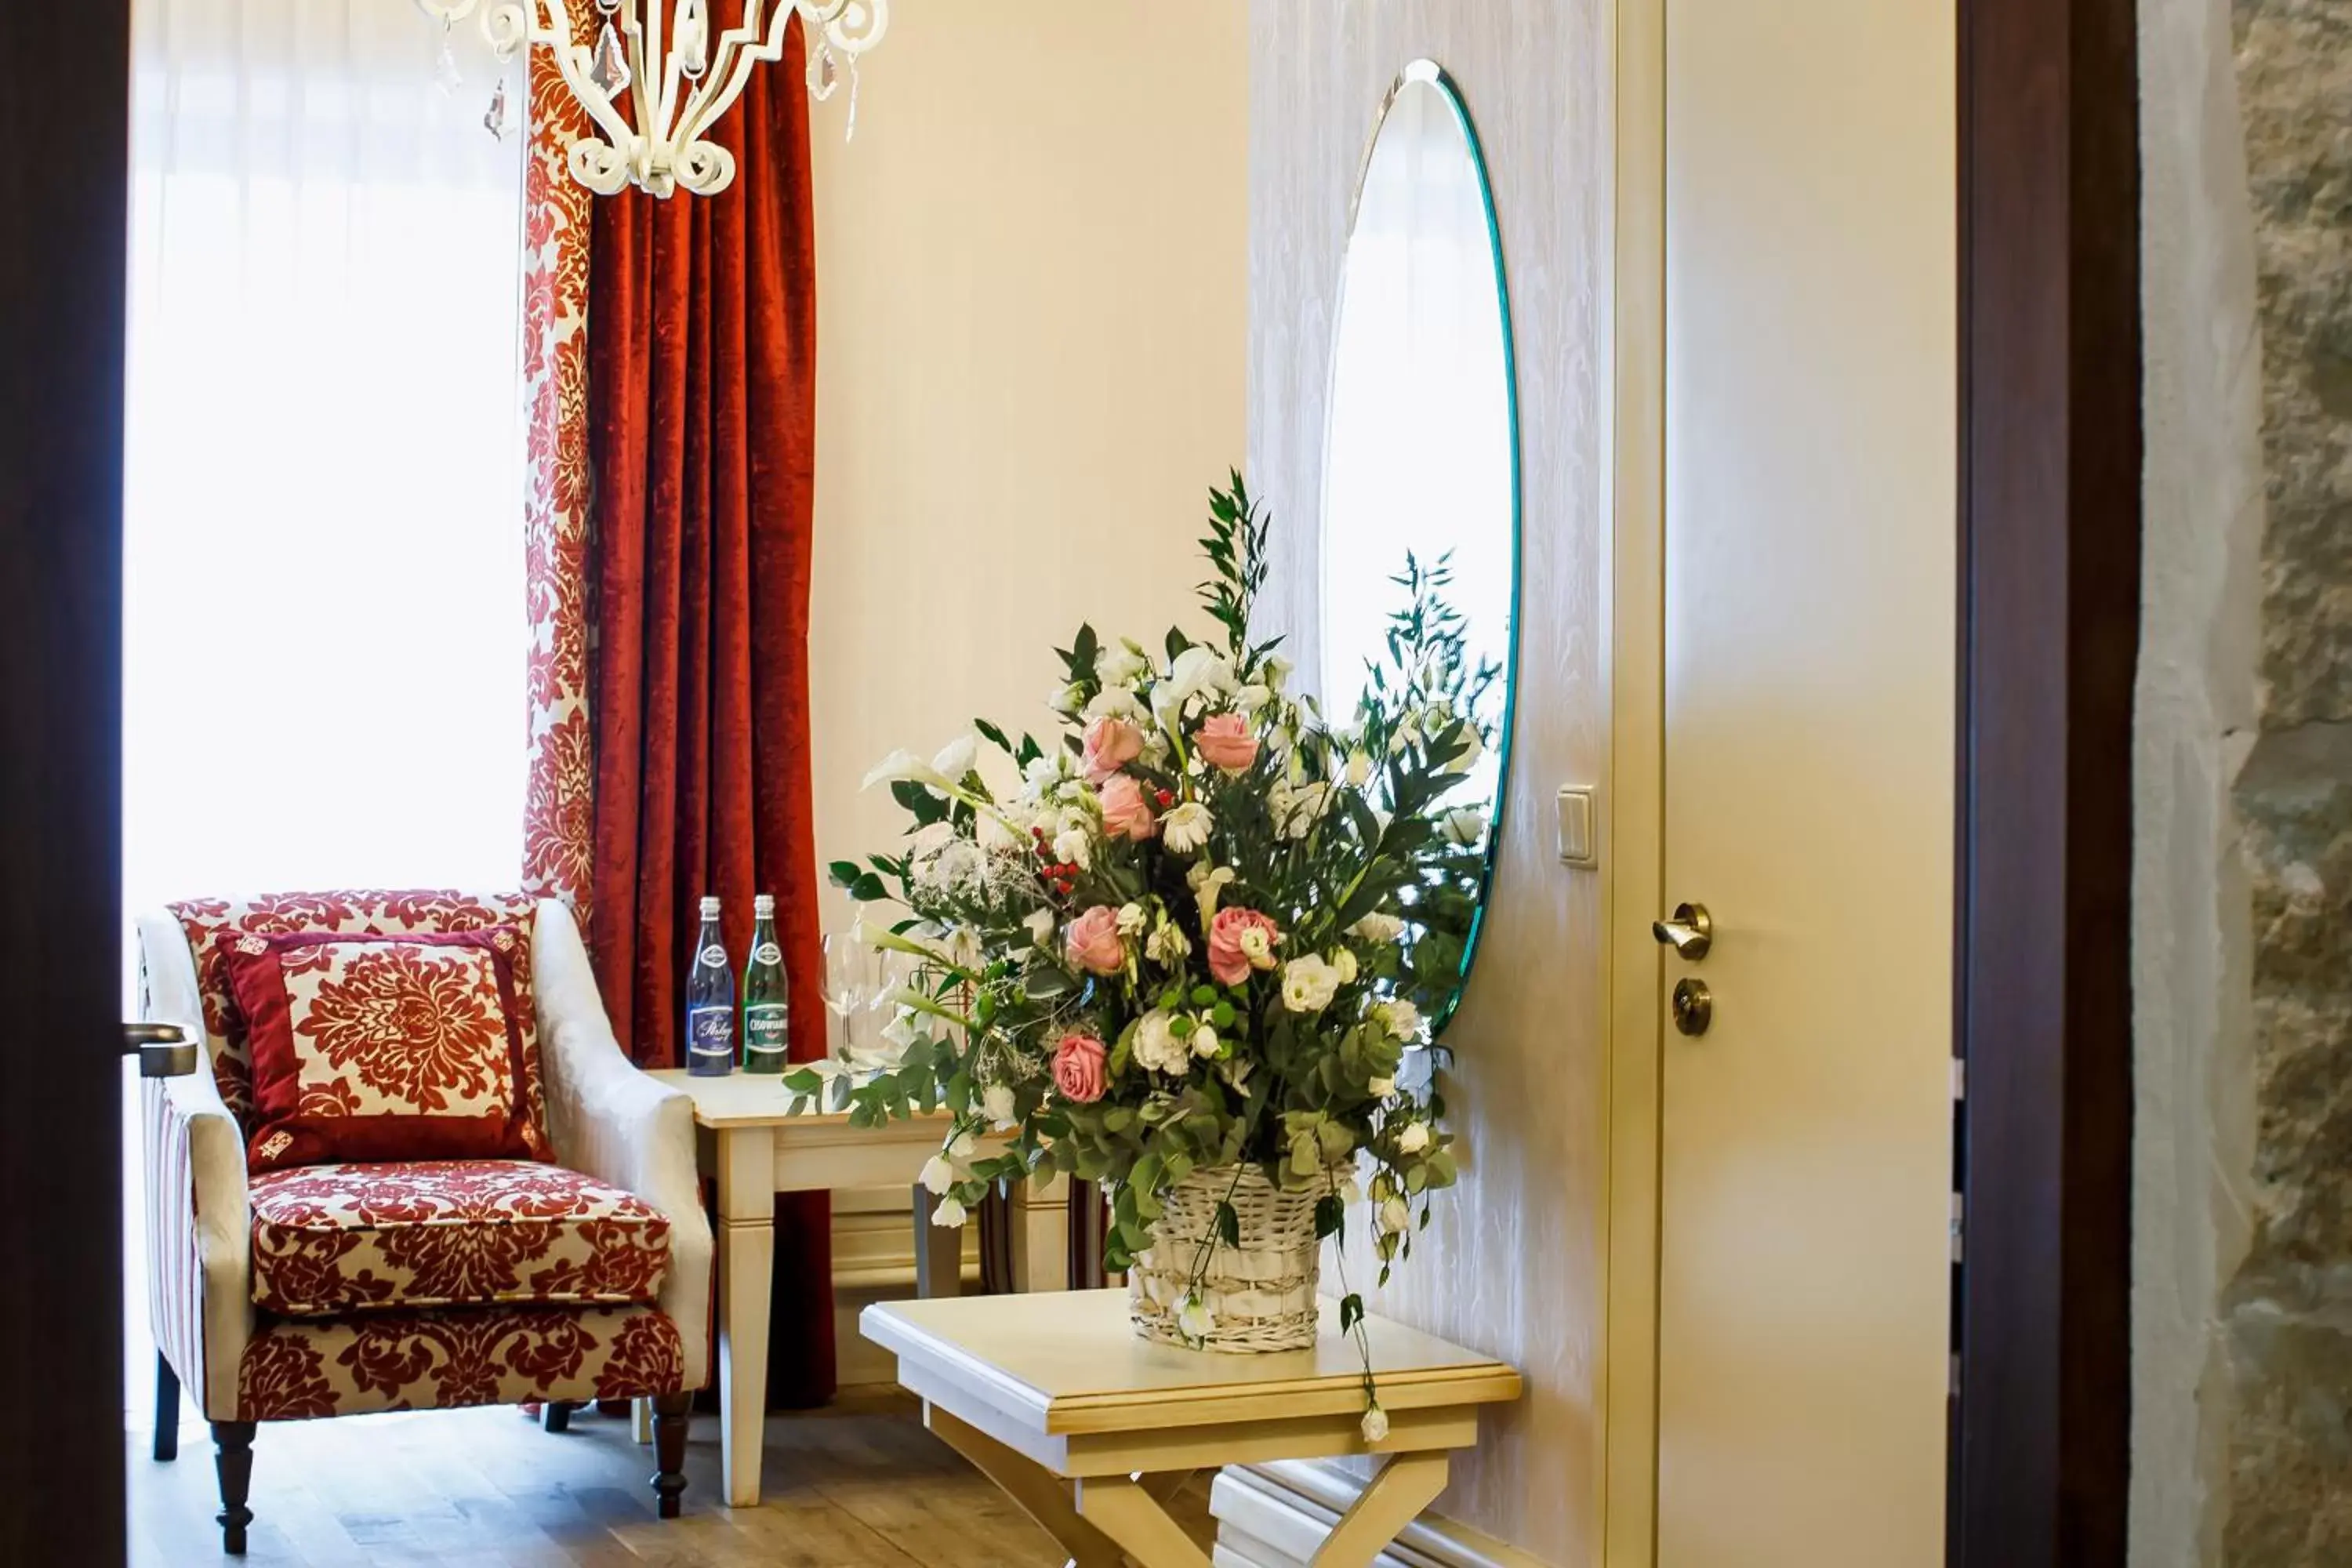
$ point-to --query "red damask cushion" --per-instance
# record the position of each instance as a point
(384, 1047)
(328, 1239)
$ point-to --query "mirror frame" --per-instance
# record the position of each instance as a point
(1422, 70)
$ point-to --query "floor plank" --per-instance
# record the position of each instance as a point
(858, 1485)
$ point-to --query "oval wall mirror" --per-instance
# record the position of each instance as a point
(1420, 487)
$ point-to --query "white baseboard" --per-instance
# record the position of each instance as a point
(1278, 1516)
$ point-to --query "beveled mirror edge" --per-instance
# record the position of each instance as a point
(1423, 70)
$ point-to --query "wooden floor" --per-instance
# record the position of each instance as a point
(861, 1485)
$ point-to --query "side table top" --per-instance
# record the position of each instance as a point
(1070, 1361)
(760, 1099)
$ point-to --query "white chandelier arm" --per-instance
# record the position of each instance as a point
(522, 22)
(740, 49)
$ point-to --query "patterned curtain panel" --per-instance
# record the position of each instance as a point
(558, 822)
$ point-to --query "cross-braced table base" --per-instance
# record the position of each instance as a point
(1103, 1522)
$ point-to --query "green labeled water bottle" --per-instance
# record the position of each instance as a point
(767, 1000)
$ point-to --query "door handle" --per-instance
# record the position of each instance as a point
(1690, 932)
(164, 1050)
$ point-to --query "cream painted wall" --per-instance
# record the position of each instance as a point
(1514, 1264)
(1031, 287)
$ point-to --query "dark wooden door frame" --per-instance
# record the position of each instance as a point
(62, 192)
(2050, 546)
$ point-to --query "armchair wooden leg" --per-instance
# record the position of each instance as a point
(671, 1413)
(233, 1458)
(555, 1415)
(167, 1410)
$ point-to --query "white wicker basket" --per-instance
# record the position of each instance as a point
(1260, 1295)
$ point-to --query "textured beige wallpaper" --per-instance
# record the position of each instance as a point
(1031, 338)
(1513, 1265)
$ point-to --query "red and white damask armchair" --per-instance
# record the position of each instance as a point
(290, 1280)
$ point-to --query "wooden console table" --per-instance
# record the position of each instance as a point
(749, 1141)
(1090, 1429)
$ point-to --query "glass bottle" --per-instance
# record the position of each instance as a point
(711, 1002)
(767, 1000)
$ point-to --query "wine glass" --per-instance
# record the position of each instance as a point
(849, 984)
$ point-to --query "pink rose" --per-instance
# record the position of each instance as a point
(1239, 942)
(1093, 942)
(1225, 742)
(1126, 813)
(1079, 1069)
(1111, 744)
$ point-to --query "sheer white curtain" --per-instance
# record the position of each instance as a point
(324, 654)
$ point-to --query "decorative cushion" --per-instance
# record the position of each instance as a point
(382, 1047)
(328, 1239)
(363, 911)
(296, 1368)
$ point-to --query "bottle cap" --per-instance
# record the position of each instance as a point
(764, 905)
(710, 908)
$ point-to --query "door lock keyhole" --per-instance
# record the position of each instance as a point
(1694, 1006)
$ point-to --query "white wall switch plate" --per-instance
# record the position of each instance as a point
(1578, 845)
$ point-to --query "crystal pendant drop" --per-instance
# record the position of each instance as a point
(611, 71)
(445, 65)
(823, 74)
(495, 121)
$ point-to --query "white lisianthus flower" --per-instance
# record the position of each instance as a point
(1039, 923)
(1395, 1216)
(1193, 1319)
(956, 758)
(1399, 1017)
(962, 1147)
(1343, 965)
(1256, 946)
(996, 1104)
(1207, 882)
(1157, 1048)
(1200, 671)
(948, 1214)
(1067, 700)
(1376, 1424)
(1044, 773)
(1186, 829)
(1406, 736)
(1465, 826)
(1378, 928)
(1475, 746)
(1249, 699)
(1307, 804)
(1204, 1040)
(1276, 671)
(1112, 702)
(1132, 918)
(1308, 985)
(1359, 767)
(903, 765)
(1412, 1138)
(1380, 1087)
(1121, 664)
(1071, 847)
(937, 1176)
(1167, 944)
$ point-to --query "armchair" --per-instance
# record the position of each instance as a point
(336, 1290)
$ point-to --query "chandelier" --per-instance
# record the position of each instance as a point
(677, 82)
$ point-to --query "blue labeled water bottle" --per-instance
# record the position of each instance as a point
(711, 1002)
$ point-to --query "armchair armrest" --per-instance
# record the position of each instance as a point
(613, 1122)
(199, 1221)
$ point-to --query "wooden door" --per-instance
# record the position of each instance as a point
(1809, 504)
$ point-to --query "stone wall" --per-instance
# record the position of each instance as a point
(2242, 1288)
(2288, 1311)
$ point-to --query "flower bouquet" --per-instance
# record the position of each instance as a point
(1192, 951)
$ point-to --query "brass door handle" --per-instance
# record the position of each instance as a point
(1690, 932)
(164, 1050)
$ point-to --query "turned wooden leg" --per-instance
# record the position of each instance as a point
(233, 1458)
(167, 1409)
(555, 1415)
(671, 1413)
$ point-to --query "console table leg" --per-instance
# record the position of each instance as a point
(747, 1260)
(1406, 1485)
(1035, 1491)
(1121, 1508)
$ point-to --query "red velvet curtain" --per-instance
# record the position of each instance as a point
(702, 389)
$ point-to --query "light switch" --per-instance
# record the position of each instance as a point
(1577, 847)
